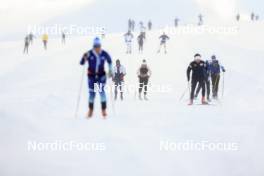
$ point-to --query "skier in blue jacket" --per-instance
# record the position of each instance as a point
(96, 59)
(215, 70)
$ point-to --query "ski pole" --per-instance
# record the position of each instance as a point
(79, 93)
(223, 86)
(187, 88)
(111, 97)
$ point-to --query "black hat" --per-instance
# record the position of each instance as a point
(197, 55)
(213, 57)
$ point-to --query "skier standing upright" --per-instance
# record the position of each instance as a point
(141, 39)
(63, 38)
(176, 22)
(45, 39)
(96, 59)
(144, 74)
(207, 82)
(31, 37)
(252, 16)
(200, 18)
(197, 67)
(238, 17)
(163, 41)
(118, 78)
(26, 44)
(215, 70)
(128, 39)
(149, 25)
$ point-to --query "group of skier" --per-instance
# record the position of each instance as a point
(253, 17)
(141, 40)
(204, 74)
(97, 76)
(45, 37)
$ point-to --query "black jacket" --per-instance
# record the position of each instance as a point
(198, 70)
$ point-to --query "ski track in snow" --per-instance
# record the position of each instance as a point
(38, 99)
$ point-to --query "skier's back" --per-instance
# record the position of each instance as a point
(118, 78)
(144, 74)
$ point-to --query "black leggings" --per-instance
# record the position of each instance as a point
(194, 84)
(143, 83)
(215, 83)
(207, 85)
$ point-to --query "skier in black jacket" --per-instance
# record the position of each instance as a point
(198, 76)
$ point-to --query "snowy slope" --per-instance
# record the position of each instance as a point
(38, 98)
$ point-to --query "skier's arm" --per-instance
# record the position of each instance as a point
(124, 70)
(84, 59)
(149, 72)
(189, 69)
(138, 72)
(109, 61)
(223, 69)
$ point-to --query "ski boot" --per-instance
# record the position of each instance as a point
(203, 101)
(139, 97)
(190, 103)
(90, 112)
(145, 97)
(121, 96)
(104, 114)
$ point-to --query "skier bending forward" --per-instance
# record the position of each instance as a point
(96, 58)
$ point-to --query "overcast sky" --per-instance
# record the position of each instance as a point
(16, 15)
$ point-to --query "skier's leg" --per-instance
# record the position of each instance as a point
(217, 84)
(91, 82)
(145, 88)
(102, 82)
(198, 90)
(121, 90)
(116, 85)
(130, 47)
(203, 87)
(194, 84)
(208, 89)
(202, 82)
(141, 84)
(213, 84)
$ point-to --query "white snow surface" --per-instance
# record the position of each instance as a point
(38, 95)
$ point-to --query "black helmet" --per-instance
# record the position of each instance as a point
(197, 55)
